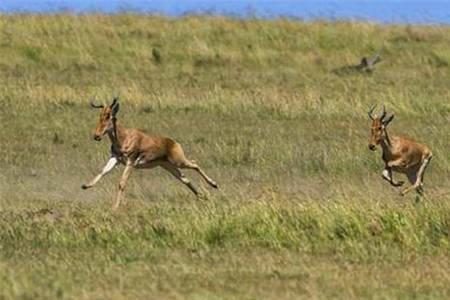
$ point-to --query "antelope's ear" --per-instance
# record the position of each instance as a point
(388, 119)
(114, 102)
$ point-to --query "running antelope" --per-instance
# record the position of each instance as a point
(400, 154)
(135, 149)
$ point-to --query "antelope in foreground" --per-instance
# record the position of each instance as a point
(135, 149)
(400, 154)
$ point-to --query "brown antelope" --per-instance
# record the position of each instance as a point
(135, 149)
(400, 154)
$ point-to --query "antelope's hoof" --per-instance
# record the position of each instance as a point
(84, 187)
(214, 185)
(403, 193)
(399, 183)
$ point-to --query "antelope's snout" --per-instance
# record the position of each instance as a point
(372, 147)
(100, 131)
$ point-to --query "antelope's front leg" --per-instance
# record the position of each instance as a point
(112, 162)
(387, 175)
(123, 183)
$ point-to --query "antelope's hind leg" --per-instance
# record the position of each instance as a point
(412, 178)
(180, 176)
(112, 162)
(178, 158)
(191, 165)
(418, 176)
(423, 171)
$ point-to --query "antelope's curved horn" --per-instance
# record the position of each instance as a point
(371, 111)
(93, 105)
(383, 112)
(115, 101)
(115, 106)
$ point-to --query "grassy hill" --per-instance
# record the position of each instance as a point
(302, 211)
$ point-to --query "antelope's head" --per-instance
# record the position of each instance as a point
(378, 129)
(106, 118)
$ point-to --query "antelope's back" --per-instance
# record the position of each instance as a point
(412, 149)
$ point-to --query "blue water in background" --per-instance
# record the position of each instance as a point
(383, 11)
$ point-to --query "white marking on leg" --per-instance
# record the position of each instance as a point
(112, 162)
(387, 175)
(139, 161)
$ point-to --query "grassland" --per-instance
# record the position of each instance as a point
(302, 211)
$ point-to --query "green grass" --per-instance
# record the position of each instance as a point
(302, 211)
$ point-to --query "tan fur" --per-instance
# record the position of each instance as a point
(400, 154)
(136, 149)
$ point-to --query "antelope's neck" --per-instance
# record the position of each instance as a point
(118, 135)
(385, 143)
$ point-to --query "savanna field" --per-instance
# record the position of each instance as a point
(302, 211)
